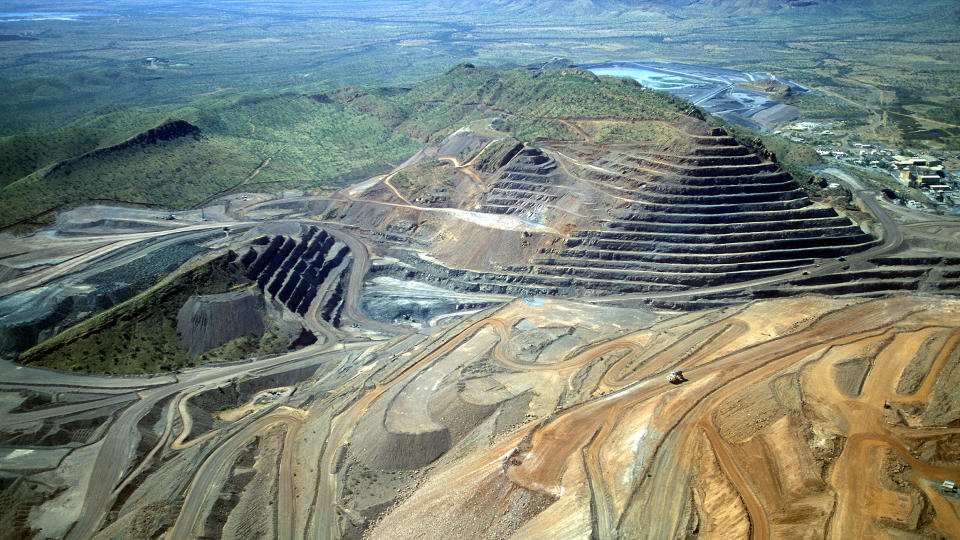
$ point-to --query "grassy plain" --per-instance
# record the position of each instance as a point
(863, 57)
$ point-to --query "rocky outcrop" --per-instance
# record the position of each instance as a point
(206, 322)
(167, 131)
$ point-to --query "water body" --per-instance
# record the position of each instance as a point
(648, 78)
(673, 73)
(709, 87)
(43, 16)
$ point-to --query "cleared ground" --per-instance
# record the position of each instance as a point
(457, 385)
(540, 418)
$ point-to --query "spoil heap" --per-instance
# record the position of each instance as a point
(206, 322)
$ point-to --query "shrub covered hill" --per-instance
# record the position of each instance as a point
(183, 155)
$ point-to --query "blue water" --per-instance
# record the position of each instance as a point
(43, 16)
(646, 77)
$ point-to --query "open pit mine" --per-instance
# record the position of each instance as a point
(484, 343)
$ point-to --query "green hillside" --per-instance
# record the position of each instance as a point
(291, 140)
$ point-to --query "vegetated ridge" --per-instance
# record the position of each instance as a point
(287, 141)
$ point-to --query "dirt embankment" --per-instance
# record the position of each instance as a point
(206, 322)
(774, 88)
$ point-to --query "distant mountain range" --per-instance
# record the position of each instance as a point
(600, 7)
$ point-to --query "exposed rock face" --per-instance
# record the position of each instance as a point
(168, 131)
(206, 322)
(294, 271)
(164, 132)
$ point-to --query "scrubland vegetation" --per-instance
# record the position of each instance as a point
(318, 141)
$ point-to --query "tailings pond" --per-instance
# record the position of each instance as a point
(709, 87)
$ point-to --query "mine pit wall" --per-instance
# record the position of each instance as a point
(720, 151)
(595, 237)
(854, 289)
(678, 281)
(713, 208)
(717, 216)
(514, 284)
(696, 227)
(490, 248)
(292, 271)
(706, 197)
(558, 277)
(720, 139)
(528, 183)
(544, 264)
(943, 246)
(892, 275)
(673, 188)
(731, 211)
(762, 178)
(443, 235)
(776, 244)
(709, 171)
(714, 160)
(866, 274)
(641, 218)
(749, 210)
(718, 258)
